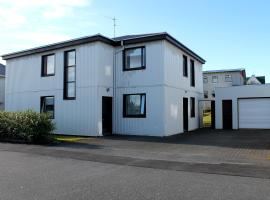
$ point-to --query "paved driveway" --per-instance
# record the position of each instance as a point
(204, 164)
(203, 146)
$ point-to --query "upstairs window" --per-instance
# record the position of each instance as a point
(192, 73)
(134, 58)
(47, 66)
(134, 105)
(228, 78)
(47, 105)
(185, 66)
(214, 79)
(205, 79)
(70, 75)
(192, 107)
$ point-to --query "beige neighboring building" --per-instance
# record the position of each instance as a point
(221, 78)
(2, 86)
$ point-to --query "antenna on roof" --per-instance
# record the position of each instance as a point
(114, 24)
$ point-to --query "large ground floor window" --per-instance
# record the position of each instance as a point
(134, 105)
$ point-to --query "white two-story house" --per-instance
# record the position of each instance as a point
(134, 85)
(221, 78)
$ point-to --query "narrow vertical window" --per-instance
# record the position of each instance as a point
(192, 107)
(70, 75)
(47, 105)
(192, 73)
(47, 65)
(185, 66)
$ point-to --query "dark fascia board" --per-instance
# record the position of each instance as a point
(169, 38)
(59, 45)
(98, 37)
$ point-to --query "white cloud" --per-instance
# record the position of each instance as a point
(29, 23)
(40, 37)
(14, 12)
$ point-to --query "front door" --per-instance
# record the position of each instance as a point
(185, 114)
(107, 115)
(227, 114)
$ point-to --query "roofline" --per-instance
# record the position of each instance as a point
(222, 71)
(101, 38)
(169, 38)
(59, 45)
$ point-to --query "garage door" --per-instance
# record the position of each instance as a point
(254, 113)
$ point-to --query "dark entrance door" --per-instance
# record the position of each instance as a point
(185, 114)
(227, 114)
(107, 115)
(213, 125)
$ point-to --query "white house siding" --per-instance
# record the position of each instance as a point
(176, 87)
(77, 117)
(149, 81)
(234, 93)
(2, 92)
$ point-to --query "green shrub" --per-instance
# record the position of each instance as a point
(28, 126)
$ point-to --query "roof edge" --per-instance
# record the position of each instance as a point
(112, 42)
(59, 45)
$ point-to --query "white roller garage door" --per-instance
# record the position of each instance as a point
(254, 113)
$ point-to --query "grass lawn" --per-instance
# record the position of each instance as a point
(207, 119)
(64, 138)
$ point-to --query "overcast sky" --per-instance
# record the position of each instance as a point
(226, 33)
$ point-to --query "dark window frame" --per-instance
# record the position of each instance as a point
(44, 65)
(213, 94)
(66, 82)
(205, 94)
(125, 115)
(192, 73)
(42, 98)
(185, 66)
(143, 58)
(192, 107)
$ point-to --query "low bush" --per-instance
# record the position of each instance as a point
(27, 126)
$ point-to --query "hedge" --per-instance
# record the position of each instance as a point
(27, 126)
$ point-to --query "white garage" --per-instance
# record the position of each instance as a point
(244, 107)
(254, 113)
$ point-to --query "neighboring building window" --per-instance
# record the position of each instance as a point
(192, 107)
(134, 59)
(192, 73)
(70, 75)
(185, 66)
(214, 79)
(205, 94)
(47, 66)
(47, 105)
(213, 93)
(228, 78)
(205, 79)
(134, 105)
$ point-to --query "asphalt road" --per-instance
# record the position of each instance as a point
(28, 176)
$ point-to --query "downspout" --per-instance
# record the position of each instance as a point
(114, 85)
